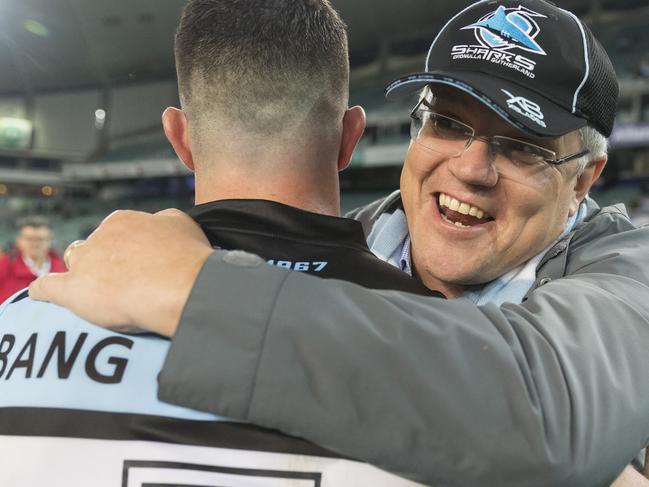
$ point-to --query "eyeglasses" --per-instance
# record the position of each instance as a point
(450, 137)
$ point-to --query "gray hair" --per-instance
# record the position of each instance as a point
(596, 144)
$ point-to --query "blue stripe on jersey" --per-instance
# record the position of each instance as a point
(51, 358)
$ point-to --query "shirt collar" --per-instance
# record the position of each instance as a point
(277, 219)
(510, 286)
(35, 269)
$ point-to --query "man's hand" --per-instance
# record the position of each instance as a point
(136, 270)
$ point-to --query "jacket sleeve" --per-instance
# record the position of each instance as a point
(552, 392)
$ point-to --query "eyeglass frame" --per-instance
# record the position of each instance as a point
(489, 140)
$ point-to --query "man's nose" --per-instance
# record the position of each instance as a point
(476, 165)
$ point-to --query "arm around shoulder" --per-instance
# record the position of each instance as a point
(545, 393)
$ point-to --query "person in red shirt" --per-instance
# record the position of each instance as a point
(31, 257)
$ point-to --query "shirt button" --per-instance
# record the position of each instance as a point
(544, 281)
(242, 259)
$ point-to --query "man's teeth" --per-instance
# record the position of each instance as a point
(457, 224)
(461, 207)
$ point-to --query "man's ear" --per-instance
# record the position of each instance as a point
(353, 128)
(585, 181)
(174, 122)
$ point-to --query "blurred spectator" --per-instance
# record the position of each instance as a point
(31, 257)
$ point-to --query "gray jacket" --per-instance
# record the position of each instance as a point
(551, 392)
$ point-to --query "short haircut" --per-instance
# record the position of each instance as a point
(264, 66)
(34, 221)
(596, 144)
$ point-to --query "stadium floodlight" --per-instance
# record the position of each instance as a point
(15, 133)
(36, 28)
(100, 118)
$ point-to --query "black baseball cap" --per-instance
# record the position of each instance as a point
(536, 65)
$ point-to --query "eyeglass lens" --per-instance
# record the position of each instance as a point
(450, 138)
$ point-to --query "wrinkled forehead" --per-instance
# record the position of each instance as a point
(454, 102)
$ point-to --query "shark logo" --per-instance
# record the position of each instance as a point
(509, 28)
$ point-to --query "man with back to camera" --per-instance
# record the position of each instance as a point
(32, 257)
(77, 403)
(546, 388)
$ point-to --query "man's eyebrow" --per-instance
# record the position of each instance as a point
(453, 105)
(551, 143)
(446, 110)
(450, 101)
(443, 104)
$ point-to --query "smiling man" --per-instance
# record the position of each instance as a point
(507, 139)
(494, 202)
(479, 206)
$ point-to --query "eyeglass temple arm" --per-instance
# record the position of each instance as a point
(558, 162)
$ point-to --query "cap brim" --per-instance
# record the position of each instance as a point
(521, 107)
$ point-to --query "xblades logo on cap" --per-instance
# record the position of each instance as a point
(509, 28)
(500, 34)
(525, 107)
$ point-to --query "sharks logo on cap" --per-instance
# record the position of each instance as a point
(509, 28)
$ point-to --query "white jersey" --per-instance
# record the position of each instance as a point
(79, 408)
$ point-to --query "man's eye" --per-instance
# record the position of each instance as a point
(445, 123)
(525, 149)
(446, 127)
(521, 152)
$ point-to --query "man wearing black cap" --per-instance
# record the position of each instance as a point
(538, 375)
(508, 137)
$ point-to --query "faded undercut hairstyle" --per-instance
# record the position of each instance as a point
(262, 66)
